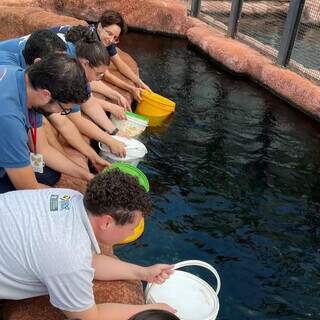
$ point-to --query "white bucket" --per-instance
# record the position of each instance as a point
(134, 126)
(135, 151)
(192, 297)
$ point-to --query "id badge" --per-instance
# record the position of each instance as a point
(37, 162)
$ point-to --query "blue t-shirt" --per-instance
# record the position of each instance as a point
(14, 151)
(13, 59)
(112, 49)
(15, 45)
(10, 59)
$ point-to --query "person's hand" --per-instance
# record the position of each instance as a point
(99, 163)
(122, 101)
(118, 148)
(158, 273)
(136, 92)
(164, 306)
(142, 85)
(89, 176)
(123, 134)
(118, 112)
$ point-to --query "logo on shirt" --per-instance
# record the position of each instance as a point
(3, 72)
(65, 203)
(61, 203)
(54, 202)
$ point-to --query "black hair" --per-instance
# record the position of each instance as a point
(117, 194)
(154, 315)
(63, 76)
(110, 17)
(76, 33)
(92, 50)
(41, 43)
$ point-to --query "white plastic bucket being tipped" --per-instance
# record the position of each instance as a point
(192, 297)
(135, 151)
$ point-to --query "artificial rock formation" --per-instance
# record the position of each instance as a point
(154, 15)
(20, 20)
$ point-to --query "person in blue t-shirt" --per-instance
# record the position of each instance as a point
(94, 60)
(108, 29)
(50, 85)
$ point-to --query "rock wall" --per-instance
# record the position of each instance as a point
(154, 15)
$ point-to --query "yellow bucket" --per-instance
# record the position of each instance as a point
(138, 231)
(155, 107)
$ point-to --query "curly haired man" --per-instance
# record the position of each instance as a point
(49, 245)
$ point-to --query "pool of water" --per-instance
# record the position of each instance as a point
(235, 182)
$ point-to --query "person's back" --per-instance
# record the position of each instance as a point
(13, 117)
(15, 45)
(45, 242)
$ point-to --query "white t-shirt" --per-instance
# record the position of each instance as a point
(46, 243)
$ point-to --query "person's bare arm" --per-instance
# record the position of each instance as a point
(109, 268)
(127, 71)
(136, 92)
(96, 113)
(104, 89)
(72, 135)
(57, 161)
(92, 131)
(24, 178)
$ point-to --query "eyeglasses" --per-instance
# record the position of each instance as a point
(64, 111)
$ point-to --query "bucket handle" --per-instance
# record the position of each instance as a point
(190, 263)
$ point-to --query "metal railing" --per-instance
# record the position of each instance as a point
(286, 30)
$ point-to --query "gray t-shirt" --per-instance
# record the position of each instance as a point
(46, 243)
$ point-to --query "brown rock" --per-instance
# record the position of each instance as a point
(19, 21)
(168, 16)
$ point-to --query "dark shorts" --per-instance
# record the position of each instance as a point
(49, 177)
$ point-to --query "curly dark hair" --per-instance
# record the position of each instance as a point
(117, 194)
(110, 17)
(63, 76)
(154, 315)
(41, 43)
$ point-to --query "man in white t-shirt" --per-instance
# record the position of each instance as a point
(49, 244)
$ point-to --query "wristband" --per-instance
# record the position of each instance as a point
(114, 132)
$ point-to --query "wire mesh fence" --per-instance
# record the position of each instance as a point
(263, 24)
(216, 12)
(305, 58)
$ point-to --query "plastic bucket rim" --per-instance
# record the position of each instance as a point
(212, 293)
(165, 101)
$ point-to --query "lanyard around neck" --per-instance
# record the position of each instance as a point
(33, 129)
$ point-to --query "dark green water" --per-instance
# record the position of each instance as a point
(235, 181)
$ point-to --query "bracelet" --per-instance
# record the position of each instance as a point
(114, 132)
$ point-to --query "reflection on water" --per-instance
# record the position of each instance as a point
(234, 179)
